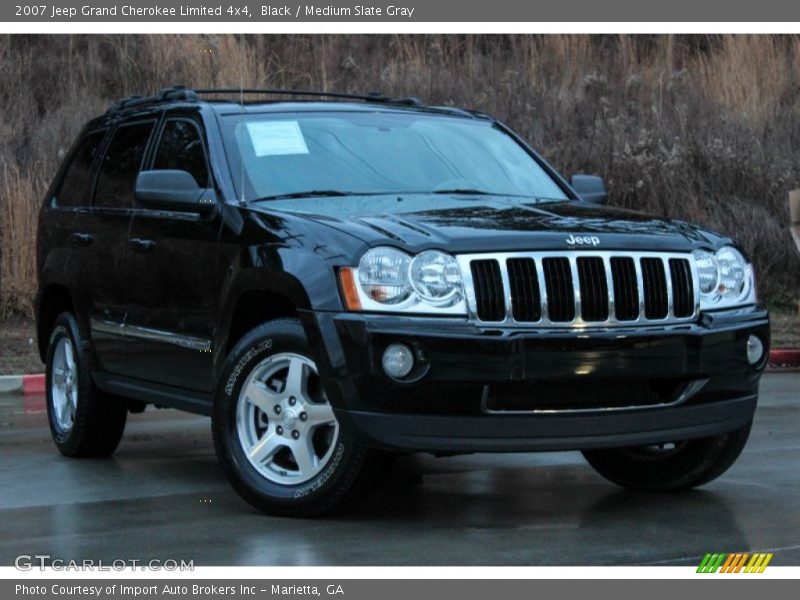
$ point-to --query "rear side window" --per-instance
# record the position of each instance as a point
(181, 148)
(121, 164)
(75, 187)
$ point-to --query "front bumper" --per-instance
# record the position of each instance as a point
(445, 409)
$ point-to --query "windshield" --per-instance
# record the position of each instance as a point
(279, 156)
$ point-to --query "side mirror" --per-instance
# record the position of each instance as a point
(590, 188)
(169, 189)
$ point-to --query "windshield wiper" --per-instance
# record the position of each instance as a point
(467, 191)
(308, 194)
(476, 192)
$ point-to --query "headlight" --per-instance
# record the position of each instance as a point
(725, 278)
(732, 270)
(383, 275)
(707, 271)
(390, 280)
(436, 278)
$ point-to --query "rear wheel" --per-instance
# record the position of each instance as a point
(670, 467)
(83, 420)
(275, 431)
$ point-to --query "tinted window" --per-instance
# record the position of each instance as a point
(180, 148)
(75, 186)
(121, 164)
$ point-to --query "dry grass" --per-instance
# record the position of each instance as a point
(18, 212)
(705, 128)
(18, 353)
(785, 328)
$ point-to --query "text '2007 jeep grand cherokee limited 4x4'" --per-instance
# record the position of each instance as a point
(336, 280)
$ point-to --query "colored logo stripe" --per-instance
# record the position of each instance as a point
(758, 563)
(710, 563)
(734, 562)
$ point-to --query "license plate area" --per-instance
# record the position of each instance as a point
(595, 395)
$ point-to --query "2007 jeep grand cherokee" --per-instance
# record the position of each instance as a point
(339, 279)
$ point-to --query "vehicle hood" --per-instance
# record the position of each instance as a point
(461, 224)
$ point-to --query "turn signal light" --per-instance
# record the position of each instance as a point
(347, 279)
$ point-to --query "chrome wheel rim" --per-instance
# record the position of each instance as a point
(284, 422)
(64, 385)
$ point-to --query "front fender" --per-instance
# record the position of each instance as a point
(304, 278)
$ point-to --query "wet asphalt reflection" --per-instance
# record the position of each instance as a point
(163, 496)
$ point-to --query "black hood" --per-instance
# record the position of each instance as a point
(460, 224)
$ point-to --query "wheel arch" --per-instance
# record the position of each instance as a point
(253, 307)
(255, 297)
(53, 300)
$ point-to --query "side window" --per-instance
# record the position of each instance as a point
(121, 164)
(76, 184)
(181, 148)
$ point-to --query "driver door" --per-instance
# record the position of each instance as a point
(173, 306)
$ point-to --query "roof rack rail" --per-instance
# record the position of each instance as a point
(177, 92)
(369, 97)
(180, 92)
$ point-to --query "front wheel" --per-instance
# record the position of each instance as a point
(275, 431)
(670, 467)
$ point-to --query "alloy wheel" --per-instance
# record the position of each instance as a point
(64, 385)
(285, 424)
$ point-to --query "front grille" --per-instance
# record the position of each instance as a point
(655, 289)
(488, 290)
(560, 289)
(626, 288)
(525, 298)
(581, 288)
(682, 287)
(594, 288)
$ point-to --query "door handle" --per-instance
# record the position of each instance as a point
(81, 239)
(142, 245)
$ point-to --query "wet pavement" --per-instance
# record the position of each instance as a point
(162, 496)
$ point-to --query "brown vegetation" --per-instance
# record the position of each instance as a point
(705, 128)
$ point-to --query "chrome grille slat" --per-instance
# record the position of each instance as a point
(545, 316)
(612, 305)
(668, 283)
(639, 287)
(577, 311)
(561, 290)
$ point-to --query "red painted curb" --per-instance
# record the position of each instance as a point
(33, 384)
(785, 357)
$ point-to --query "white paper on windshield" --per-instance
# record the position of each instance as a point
(277, 138)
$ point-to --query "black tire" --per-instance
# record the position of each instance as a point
(683, 466)
(98, 419)
(341, 483)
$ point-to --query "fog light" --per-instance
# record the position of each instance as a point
(755, 350)
(398, 360)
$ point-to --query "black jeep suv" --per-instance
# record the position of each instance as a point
(342, 278)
